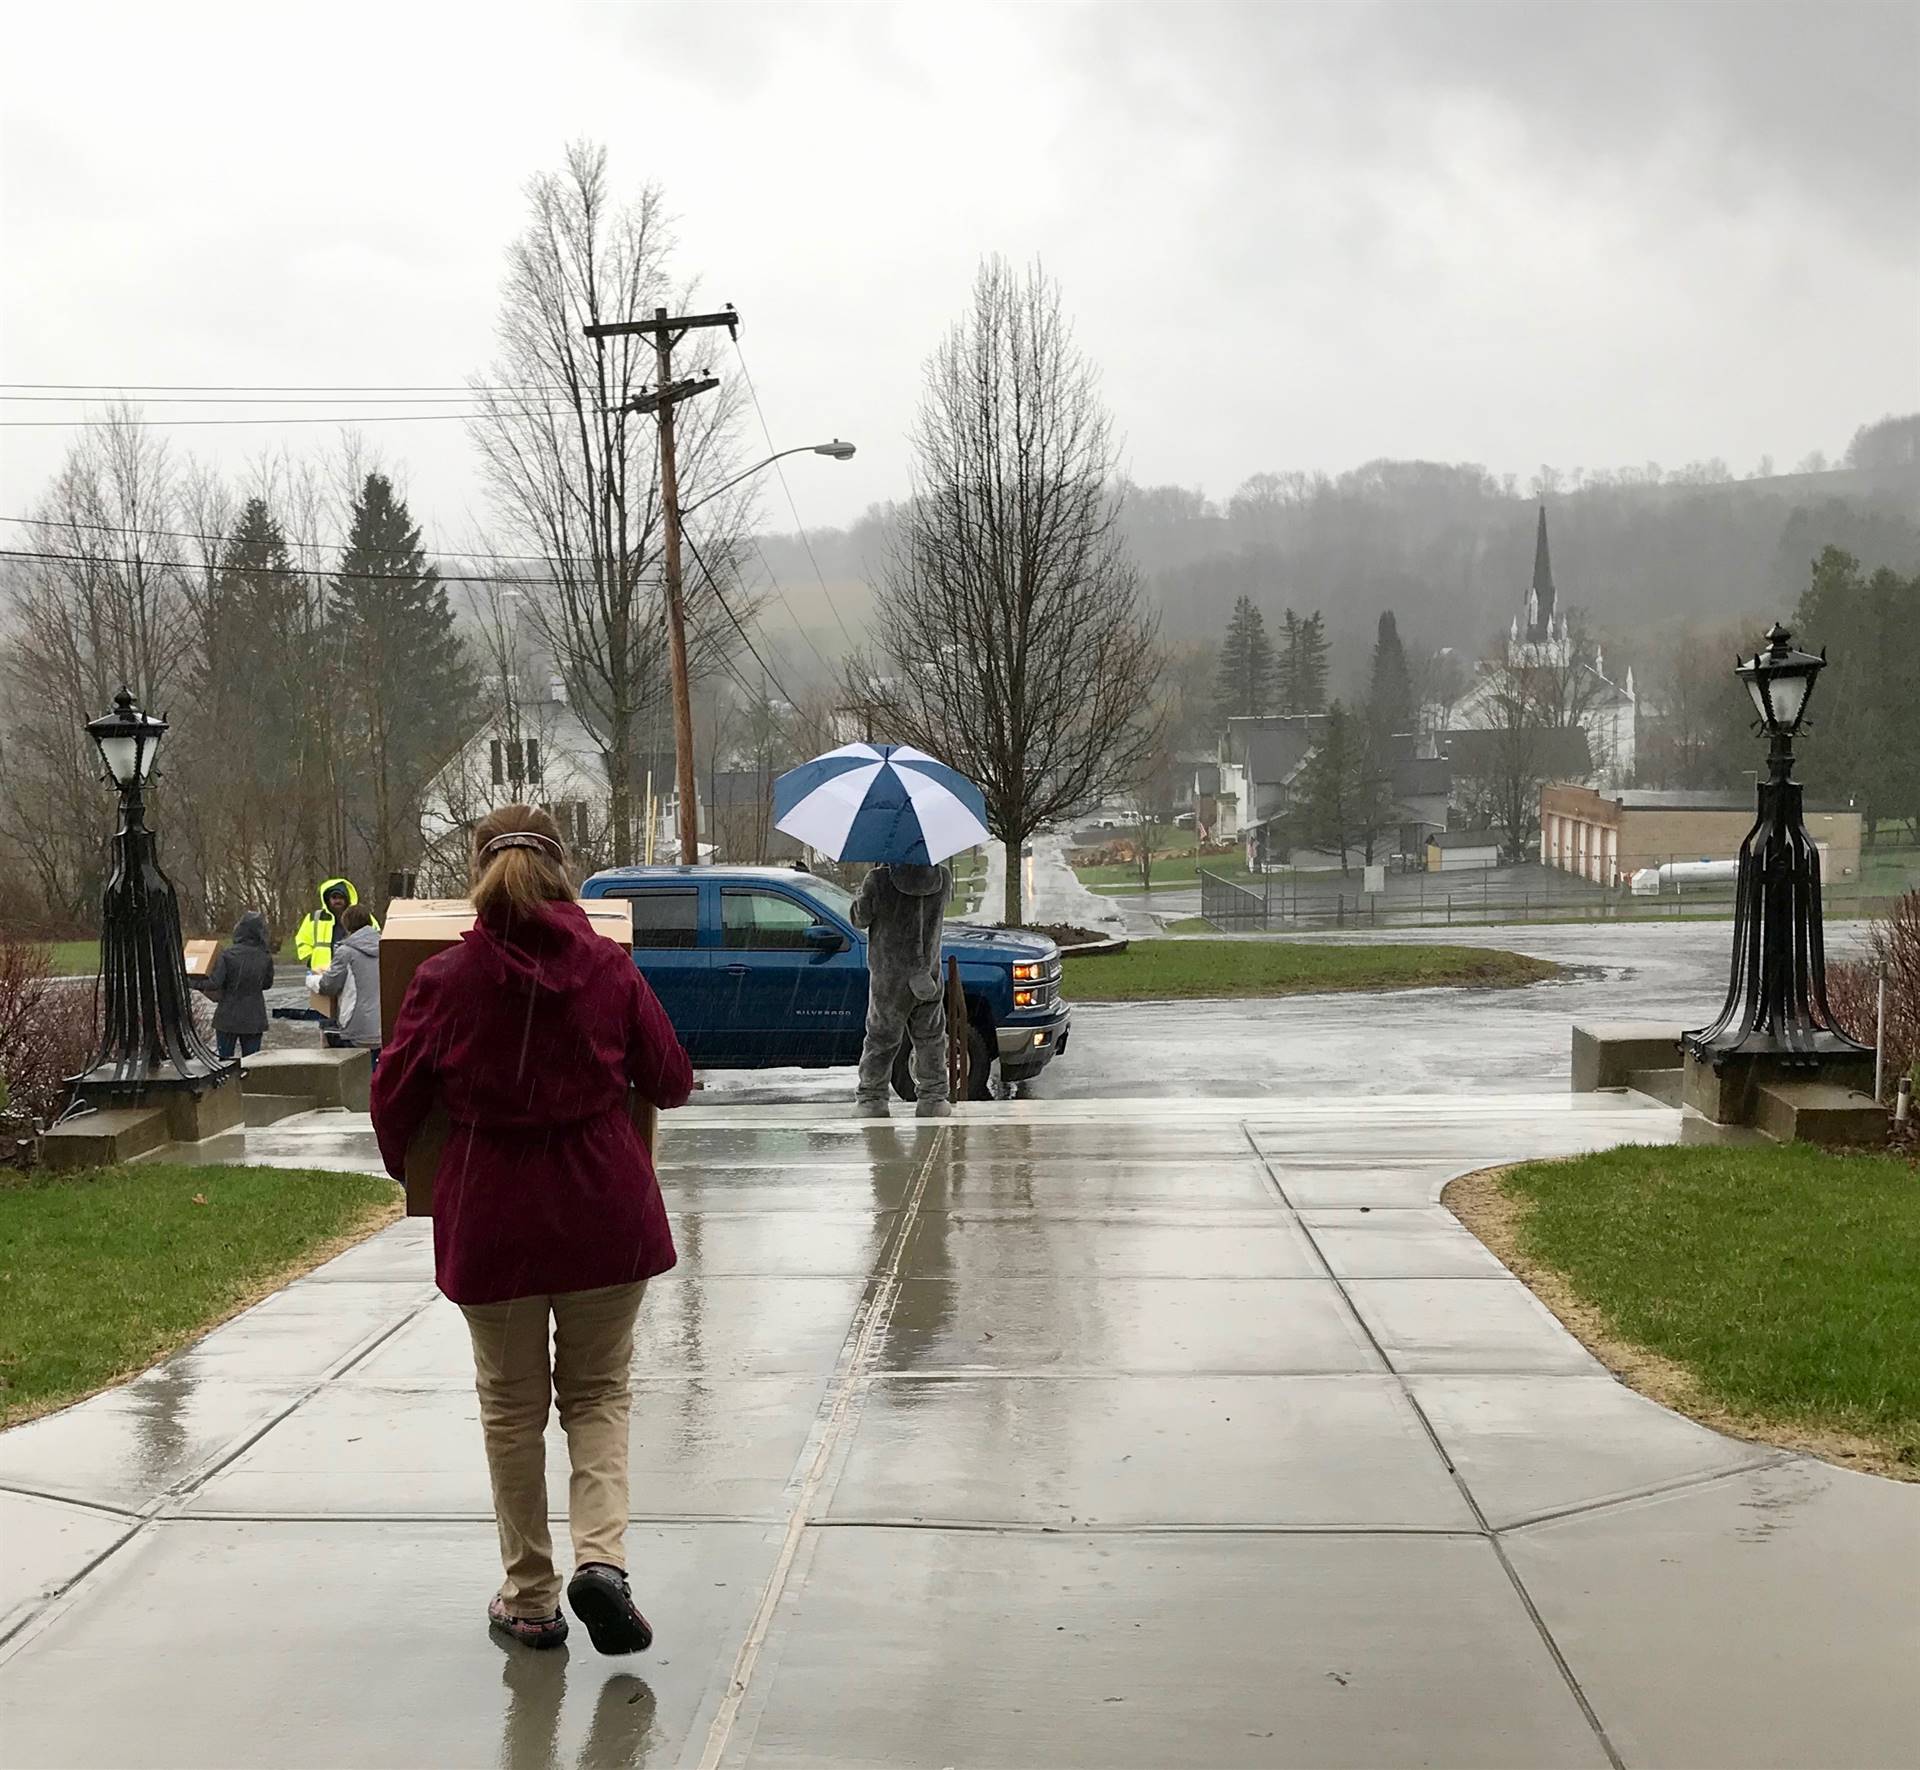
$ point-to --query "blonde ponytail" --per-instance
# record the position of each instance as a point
(519, 863)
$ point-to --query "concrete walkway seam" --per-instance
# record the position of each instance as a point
(1491, 1536)
(99, 1507)
(869, 1323)
(168, 1504)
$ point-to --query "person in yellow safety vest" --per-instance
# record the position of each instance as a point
(313, 944)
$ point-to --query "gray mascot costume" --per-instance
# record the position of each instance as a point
(902, 909)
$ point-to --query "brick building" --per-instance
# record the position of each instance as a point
(1609, 836)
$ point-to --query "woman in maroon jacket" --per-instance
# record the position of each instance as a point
(545, 1205)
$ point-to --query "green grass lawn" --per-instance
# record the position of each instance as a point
(1886, 872)
(1785, 1281)
(74, 958)
(1180, 970)
(103, 1273)
(1173, 869)
(81, 958)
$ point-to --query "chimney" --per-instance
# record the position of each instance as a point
(556, 690)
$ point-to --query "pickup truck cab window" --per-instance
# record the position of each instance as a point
(666, 918)
(764, 921)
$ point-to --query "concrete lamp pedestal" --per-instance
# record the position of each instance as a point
(1823, 1096)
(119, 1128)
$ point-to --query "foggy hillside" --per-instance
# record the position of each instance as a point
(1447, 546)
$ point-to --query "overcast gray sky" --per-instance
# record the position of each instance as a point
(1292, 236)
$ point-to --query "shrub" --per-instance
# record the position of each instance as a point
(46, 1034)
(1893, 944)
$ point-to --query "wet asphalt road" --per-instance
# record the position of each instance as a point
(1405, 1041)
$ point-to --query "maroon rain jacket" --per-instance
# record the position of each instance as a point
(529, 1034)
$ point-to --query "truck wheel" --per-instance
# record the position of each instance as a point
(979, 1069)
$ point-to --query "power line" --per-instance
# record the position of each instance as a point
(773, 583)
(107, 528)
(779, 468)
(275, 387)
(284, 399)
(786, 694)
(277, 571)
(525, 411)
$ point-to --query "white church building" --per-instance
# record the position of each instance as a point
(1539, 638)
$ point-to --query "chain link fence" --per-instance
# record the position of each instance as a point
(1259, 903)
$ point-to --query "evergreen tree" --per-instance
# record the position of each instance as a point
(1329, 784)
(1312, 674)
(1303, 663)
(1246, 664)
(1863, 738)
(1287, 667)
(406, 678)
(254, 693)
(1390, 707)
(257, 613)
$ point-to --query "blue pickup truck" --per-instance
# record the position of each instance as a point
(760, 968)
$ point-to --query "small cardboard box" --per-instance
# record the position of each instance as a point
(414, 930)
(198, 956)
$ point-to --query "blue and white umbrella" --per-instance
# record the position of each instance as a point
(880, 802)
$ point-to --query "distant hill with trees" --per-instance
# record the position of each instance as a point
(1448, 547)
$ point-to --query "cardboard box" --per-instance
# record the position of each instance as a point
(198, 956)
(414, 930)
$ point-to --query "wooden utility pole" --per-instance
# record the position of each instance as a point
(666, 332)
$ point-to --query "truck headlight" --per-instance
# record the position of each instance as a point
(1025, 998)
(1026, 973)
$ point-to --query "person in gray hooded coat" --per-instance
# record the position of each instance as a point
(902, 909)
(353, 979)
(237, 982)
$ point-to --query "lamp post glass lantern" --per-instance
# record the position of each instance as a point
(128, 740)
(1776, 1002)
(148, 1039)
(1780, 682)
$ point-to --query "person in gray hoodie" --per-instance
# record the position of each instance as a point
(237, 984)
(902, 909)
(353, 979)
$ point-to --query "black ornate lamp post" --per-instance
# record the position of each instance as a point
(1777, 996)
(148, 1044)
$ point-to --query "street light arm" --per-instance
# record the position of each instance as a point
(838, 450)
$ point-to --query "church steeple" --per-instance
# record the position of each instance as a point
(1540, 599)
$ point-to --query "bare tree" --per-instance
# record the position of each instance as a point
(1150, 797)
(1695, 732)
(574, 474)
(1439, 684)
(1014, 641)
(1535, 720)
(106, 608)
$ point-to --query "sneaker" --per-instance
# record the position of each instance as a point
(600, 1598)
(872, 1109)
(530, 1631)
(934, 1109)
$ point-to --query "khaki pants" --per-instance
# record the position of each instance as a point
(588, 1376)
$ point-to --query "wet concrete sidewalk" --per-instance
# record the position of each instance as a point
(1071, 1435)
